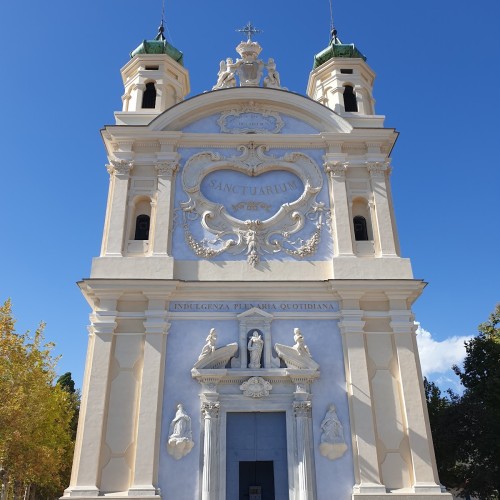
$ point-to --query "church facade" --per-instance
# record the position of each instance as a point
(251, 334)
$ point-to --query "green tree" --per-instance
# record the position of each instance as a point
(35, 414)
(444, 418)
(478, 454)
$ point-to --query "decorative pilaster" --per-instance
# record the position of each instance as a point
(119, 171)
(384, 227)
(85, 473)
(341, 219)
(166, 170)
(422, 452)
(367, 474)
(305, 460)
(210, 414)
(148, 431)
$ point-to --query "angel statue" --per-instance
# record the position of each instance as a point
(209, 346)
(225, 76)
(299, 345)
(273, 77)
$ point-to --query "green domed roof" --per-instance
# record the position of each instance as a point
(337, 49)
(159, 45)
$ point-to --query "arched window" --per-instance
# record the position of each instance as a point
(142, 227)
(360, 228)
(350, 103)
(149, 96)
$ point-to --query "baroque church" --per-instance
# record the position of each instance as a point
(251, 334)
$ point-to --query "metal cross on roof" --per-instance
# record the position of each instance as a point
(250, 30)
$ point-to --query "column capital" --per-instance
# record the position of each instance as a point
(336, 168)
(210, 409)
(378, 168)
(302, 409)
(120, 167)
(166, 168)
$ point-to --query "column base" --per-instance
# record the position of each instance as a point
(368, 489)
(81, 491)
(143, 491)
(418, 492)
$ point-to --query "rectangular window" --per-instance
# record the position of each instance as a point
(346, 71)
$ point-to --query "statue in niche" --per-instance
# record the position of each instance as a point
(180, 439)
(299, 345)
(225, 76)
(272, 79)
(209, 347)
(255, 347)
(332, 445)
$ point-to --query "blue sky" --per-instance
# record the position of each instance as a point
(437, 83)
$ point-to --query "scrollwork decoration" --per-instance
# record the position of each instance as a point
(295, 229)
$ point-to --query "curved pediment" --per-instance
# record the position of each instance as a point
(284, 112)
(294, 359)
(219, 358)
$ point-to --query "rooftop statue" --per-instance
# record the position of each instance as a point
(248, 68)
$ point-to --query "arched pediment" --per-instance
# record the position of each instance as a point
(223, 106)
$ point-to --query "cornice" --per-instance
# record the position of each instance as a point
(331, 290)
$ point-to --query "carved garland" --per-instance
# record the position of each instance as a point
(254, 237)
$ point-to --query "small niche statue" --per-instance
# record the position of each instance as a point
(180, 439)
(332, 445)
(209, 346)
(255, 347)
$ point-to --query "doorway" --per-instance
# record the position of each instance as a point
(256, 456)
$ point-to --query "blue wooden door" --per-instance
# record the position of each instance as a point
(256, 456)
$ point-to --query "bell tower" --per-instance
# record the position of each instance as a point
(154, 79)
(342, 80)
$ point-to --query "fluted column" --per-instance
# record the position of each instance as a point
(148, 422)
(305, 460)
(163, 214)
(367, 474)
(85, 473)
(384, 226)
(341, 218)
(119, 170)
(210, 414)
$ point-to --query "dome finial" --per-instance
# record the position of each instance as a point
(161, 28)
(333, 31)
(333, 38)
